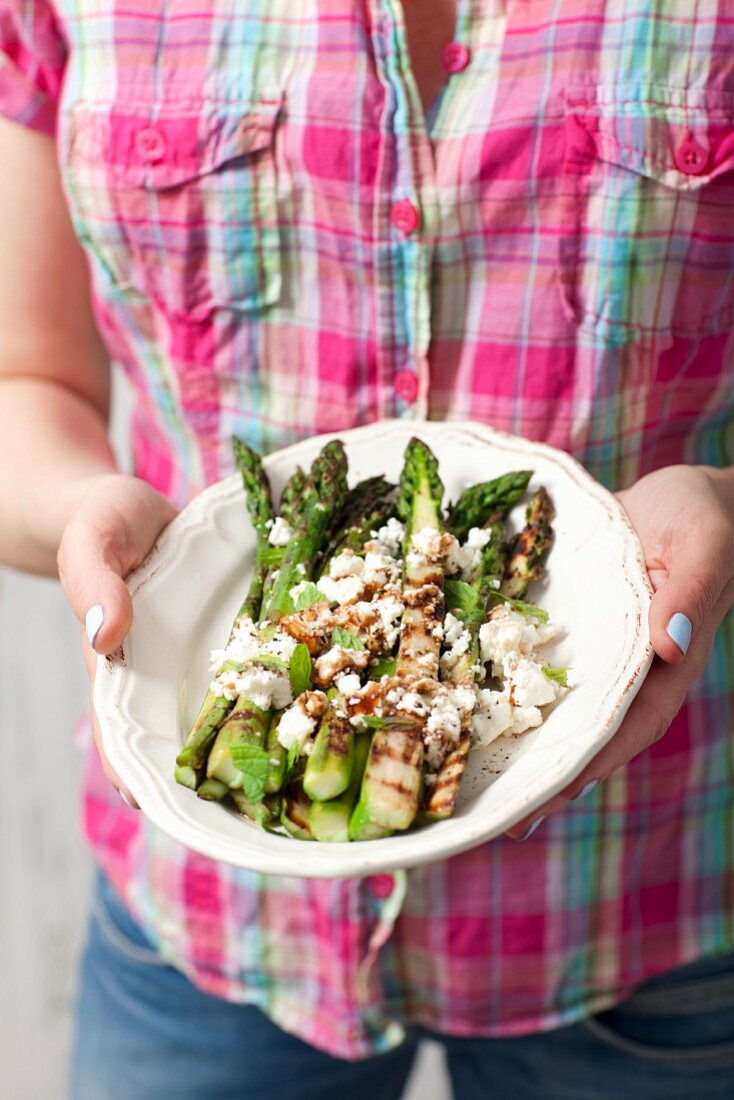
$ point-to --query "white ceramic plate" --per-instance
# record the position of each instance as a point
(187, 592)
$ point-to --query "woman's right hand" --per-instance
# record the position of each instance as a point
(115, 522)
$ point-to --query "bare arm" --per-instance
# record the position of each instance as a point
(54, 374)
(63, 506)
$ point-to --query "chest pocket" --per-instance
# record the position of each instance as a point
(647, 242)
(180, 208)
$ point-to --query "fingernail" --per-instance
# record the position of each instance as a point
(128, 801)
(585, 790)
(538, 821)
(679, 629)
(93, 622)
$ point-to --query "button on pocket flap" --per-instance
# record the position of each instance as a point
(677, 146)
(161, 149)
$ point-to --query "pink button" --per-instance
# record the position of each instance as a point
(381, 886)
(691, 157)
(455, 57)
(150, 144)
(404, 216)
(406, 385)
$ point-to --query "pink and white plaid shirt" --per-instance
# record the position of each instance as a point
(281, 246)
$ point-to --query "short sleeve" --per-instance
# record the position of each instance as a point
(32, 60)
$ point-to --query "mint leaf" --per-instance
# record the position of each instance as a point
(291, 761)
(384, 667)
(309, 596)
(528, 609)
(252, 761)
(462, 598)
(373, 721)
(376, 722)
(269, 660)
(464, 601)
(557, 675)
(345, 639)
(300, 670)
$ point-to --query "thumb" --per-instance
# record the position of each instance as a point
(113, 529)
(91, 574)
(684, 600)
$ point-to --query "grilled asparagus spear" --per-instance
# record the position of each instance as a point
(294, 815)
(392, 780)
(368, 506)
(530, 547)
(215, 708)
(329, 767)
(518, 567)
(483, 503)
(440, 798)
(330, 820)
(322, 498)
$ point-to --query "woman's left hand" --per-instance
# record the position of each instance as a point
(684, 516)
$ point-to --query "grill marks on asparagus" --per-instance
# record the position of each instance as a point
(525, 563)
(393, 776)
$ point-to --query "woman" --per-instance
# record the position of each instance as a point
(303, 217)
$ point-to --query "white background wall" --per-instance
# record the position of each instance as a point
(44, 868)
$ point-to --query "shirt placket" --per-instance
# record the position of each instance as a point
(405, 225)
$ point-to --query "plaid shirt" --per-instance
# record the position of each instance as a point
(280, 246)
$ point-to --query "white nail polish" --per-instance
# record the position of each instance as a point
(533, 827)
(93, 622)
(585, 789)
(679, 629)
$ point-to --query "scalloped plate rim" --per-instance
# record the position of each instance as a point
(114, 682)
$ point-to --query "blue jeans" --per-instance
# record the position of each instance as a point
(145, 1033)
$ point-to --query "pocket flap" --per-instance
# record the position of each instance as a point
(678, 144)
(158, 148)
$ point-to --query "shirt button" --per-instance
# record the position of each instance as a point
(381, 886)
(691, 157)
(404, 216)
(406, 385)
(150, 144)
(455, 57)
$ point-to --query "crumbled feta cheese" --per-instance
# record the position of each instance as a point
(445, 718)
(281, 533)
(348, 684)
(461, 559)
(501, 635)
(295, 726)
(478, 537)
(426, 541)
(263, 687)
(525, 718)
(390, 610)
(346, 564)
(508, 631)
(380, 569)
(527, 683)
(245, 646)
(492, 718)
(464, 698)
(297, 589)
(390, 537)
(412, 703)
(343, 590)
(337, 659)
(457, 640)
